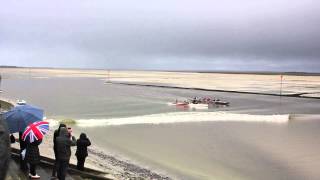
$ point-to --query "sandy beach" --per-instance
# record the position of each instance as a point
(304, 86)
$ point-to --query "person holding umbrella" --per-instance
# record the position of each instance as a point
(32, 157)
(33, 136)
(28, 119)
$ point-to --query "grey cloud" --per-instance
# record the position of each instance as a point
(211, 35)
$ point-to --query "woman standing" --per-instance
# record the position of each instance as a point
(82, 152)
(32, 157)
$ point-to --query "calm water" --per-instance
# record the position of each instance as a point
(193, 150)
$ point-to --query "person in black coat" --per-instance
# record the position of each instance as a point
(82, 152)
(33, 157)
(55, 135)
(64, 142)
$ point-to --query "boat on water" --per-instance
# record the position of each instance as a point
(21, 102)
(188, 104)
(202, 103)
(210, 101)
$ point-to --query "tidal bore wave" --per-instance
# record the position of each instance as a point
(184, 117)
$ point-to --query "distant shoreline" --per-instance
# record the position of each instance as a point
(296, 95)
(180, 71)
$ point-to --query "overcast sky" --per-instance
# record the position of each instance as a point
(256, 35)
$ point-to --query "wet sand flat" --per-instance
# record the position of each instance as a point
(306, 86)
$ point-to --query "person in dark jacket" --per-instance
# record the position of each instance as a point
(55, 135)
(82, 152)
(33, 157)
(63, 144)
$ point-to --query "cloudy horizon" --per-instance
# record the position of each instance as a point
(166, 35)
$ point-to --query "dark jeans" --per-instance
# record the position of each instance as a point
(62, 169)
(80, 164)
(33, 169)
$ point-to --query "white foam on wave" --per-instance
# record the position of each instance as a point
(52, 122)
(182, 117)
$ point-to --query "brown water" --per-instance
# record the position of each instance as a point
(191, 150)
(215, 150)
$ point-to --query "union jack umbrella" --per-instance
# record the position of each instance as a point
(35, 131)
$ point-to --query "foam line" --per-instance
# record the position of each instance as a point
(182, 117)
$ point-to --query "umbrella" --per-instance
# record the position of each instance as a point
(19, 117)
(35, 131)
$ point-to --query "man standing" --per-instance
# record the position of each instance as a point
(55, 135)
(64, 143)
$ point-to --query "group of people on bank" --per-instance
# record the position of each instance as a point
(62, 143)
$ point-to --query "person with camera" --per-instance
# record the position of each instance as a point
(64, 142)
(55, 149)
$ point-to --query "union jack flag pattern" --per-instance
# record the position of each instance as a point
(35, 131)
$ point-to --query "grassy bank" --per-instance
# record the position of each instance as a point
(5, 105)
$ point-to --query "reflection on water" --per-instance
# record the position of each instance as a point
(202, 150)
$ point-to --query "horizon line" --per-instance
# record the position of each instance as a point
(176, 70)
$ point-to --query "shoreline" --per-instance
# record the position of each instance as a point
(116, 166)
(113, 165)
(262, 83)
(296, 95)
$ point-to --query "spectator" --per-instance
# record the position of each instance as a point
(82, 152)
(55, 135)
(64, 143)
(32, 157)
